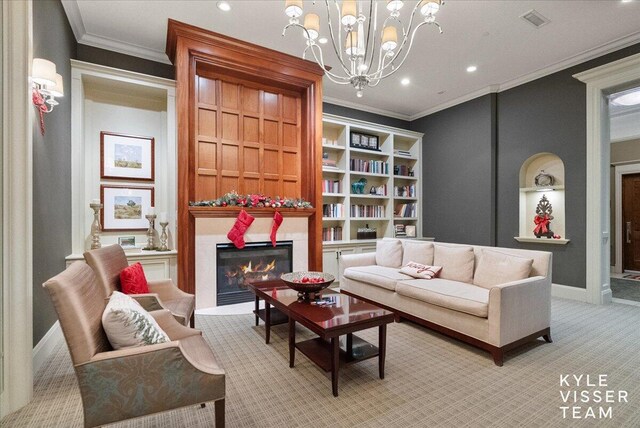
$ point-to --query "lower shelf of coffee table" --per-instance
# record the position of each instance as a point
(277, 317)
(318, 350)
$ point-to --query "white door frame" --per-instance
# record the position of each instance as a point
(621, 170)
(601, 81)
(17, 182)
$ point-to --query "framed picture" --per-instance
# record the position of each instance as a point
(364, 141)
(373, 142)
(125, 207)
(127, 242)
(410, 230)
(355, 140)
(127, 157)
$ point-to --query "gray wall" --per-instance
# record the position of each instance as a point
(458, 172)
(545, 115)
(364, 115)
(52, 40)
(124, 62)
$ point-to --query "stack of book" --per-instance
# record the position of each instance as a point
(332, 210)
(363, 211)
(372, 166)
(329, 163)
(331, 186)
(402, 170)
(400, 231)
(399, 152)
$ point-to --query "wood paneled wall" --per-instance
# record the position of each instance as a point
(250, 120)
(248, 139)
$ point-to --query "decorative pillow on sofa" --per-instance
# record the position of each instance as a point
(420, 271)
(496, 268)
(133, 281)
(389, 253)
(127, 324)
(457, 262)
(417, 252)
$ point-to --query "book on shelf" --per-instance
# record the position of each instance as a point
(371, 211)
(400, 152)
(406, 210)
(329, 162)
(332, 233)
(333, 210)
(403, 170)
(370, 166)
(405, 191)
(331, 186)
(399, 230)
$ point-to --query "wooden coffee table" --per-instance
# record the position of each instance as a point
(347, 316)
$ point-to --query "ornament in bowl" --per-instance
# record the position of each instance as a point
(307, 282)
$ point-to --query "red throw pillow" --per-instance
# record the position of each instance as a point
(133, 281)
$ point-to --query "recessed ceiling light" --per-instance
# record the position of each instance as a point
(224, 6)
(471, 68)
(405, 81)
(628, 98)
(323, 40)
(627, 1)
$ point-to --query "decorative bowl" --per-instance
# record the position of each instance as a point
(295, 280)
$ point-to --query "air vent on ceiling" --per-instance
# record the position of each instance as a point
(534, 18)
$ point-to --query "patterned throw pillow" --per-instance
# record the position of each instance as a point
(133, 281)
(127, 324)
(420, 271)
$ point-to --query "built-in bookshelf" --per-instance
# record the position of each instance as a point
(372, 187)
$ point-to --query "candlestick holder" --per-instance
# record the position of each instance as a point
(95, 226)
(151, 233)
(163, 236)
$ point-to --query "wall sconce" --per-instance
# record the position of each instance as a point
(47, 85)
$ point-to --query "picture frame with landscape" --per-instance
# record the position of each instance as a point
(127, 157)
(125, 207)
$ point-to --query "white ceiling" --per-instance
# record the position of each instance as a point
(507, 50)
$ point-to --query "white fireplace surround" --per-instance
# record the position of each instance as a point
(212, 231)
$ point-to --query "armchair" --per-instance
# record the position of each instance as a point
(108, 262)
(121, 384)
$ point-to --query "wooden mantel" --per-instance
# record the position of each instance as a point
(278, 97)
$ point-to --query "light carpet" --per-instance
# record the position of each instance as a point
(431, 381)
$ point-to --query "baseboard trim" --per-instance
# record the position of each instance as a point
(567, 292)
(44, 349)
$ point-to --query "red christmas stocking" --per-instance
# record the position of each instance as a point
(277, 221)
(236, 234)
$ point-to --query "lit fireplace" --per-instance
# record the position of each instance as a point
(259, 261)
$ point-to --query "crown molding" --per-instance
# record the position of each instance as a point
(463, 99)
(75, 18)
(124, 48)
(362, 107)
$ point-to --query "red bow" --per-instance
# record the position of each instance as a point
(541, 224)
(39, 102)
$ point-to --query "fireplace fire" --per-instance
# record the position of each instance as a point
(258, 261)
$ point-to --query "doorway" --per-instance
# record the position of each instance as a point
(624, 128)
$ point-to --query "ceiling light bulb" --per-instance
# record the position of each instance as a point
(349, 12)
(430, 7)
(323, 40)
(627, 1)
(224, 6)
(293, 8)
(394, 5)
(471, 68)
(359, 93)
(405, 81)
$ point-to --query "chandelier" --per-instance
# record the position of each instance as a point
(366, 54)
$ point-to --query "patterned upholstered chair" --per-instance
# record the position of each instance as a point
(121, 384)
(108, 262)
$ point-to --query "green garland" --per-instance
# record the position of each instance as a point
(233, 199)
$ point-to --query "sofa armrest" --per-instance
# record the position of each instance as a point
(173, 328)
(518, 309)
(149, 301)
(353, 260)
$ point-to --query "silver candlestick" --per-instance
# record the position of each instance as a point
(163, 236)
(95, 226)
(151, 233)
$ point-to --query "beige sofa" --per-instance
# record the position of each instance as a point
(492, 298)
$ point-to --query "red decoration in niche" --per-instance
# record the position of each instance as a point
(133, 280)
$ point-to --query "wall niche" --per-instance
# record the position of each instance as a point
(542, 176)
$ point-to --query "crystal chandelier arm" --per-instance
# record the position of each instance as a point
(337, 50)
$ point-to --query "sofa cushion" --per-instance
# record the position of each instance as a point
(418, 252)
(418, 270)
(454, 295)
(380, 276)
(133, 280)
(457, 262)
(389, 253)
(495, 268)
